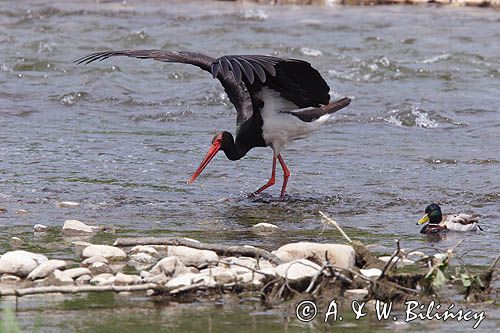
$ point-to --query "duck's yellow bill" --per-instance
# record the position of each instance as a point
(424, 219)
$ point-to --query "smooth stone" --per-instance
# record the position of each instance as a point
(221, 275)
(84, 279)
(99, 268)
(400, 263)
(142, 260)
(20, 263)
(16, 242)
(46, 268)
(371, 272)
(126, 279)
(298, 269)
(40, 228)
(91, 260)
(265, 227)
(189, 279)
(102, 279)
(79, 246)
(170, 266)
(160, 279)
(7, 278)
(355, 294)
(67, 204)
(58, 278)
(75, 273)
(144, 249)
(22, 211)
(416, 255)
(75, 228)
(339, 255)
(192, 257)
(242, 265)
(109, 252)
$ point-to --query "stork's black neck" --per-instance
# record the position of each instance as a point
(233, 150)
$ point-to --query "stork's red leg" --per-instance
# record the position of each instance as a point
(286, 174)
(271, 181)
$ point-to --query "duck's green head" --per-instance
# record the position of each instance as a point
(432, 215)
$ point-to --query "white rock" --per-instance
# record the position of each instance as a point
(84, 279)
(91, 260)
(126, 279)
(67, 204)
(192, 257)
(297, 269)
(44, 269)
(355, 294)
(265, 227)
(144, 249)
(188, 279)
(99, 268)
(77, 272)
(141, 260)
(20, 263)
(58, 278)
(416, 255)
(40, 228)
(400, 262)
(7, 278)
(16, 242)
(103, 279)
(22, 211)
(371, 272)
(109, 252)
(160, 279)
(221, 275)
(170, 266)
(79, 246)
(339, 255)
(75, 228)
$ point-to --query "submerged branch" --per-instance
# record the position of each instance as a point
(77, 289)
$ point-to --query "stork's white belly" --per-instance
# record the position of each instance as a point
(280, 128)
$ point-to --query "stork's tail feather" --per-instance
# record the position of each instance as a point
(311, 114)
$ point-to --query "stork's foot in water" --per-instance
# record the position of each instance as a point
(272, 180)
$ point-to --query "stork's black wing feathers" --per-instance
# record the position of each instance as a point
(311, 114)
(243, 75)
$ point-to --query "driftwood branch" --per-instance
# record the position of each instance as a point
(335, 224)
(226, 250)
(76, 289)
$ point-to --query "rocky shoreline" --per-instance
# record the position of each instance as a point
(180, 267)
(454, 3)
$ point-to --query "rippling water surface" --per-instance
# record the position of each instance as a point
(121, 137)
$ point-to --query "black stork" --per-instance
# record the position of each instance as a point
(277, 100)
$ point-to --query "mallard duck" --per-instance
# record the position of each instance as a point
(436, 222)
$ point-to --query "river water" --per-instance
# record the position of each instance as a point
(121, 137)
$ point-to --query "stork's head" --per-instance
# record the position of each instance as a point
(221, 141)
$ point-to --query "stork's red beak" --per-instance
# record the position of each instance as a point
(211, 153)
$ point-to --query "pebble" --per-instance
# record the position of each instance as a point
(84, 279)
(188, 279)
(102, 279)
(21, 211)
(371, 272)
(91, 260)
(20, 263)
(58, 278)
(79, 246)
(192, 257)
(355, 294)
(298, 269)
(67, 204)
(400, 263)
(340, 255)
(3, 210)
(45, 269)
(16, 242)
(126, 279)
(40, 228)
(100, 268)
(76, 228)
(109, 252)
(265, 227)
(7, 278)
(75, 273)
(170, 266)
